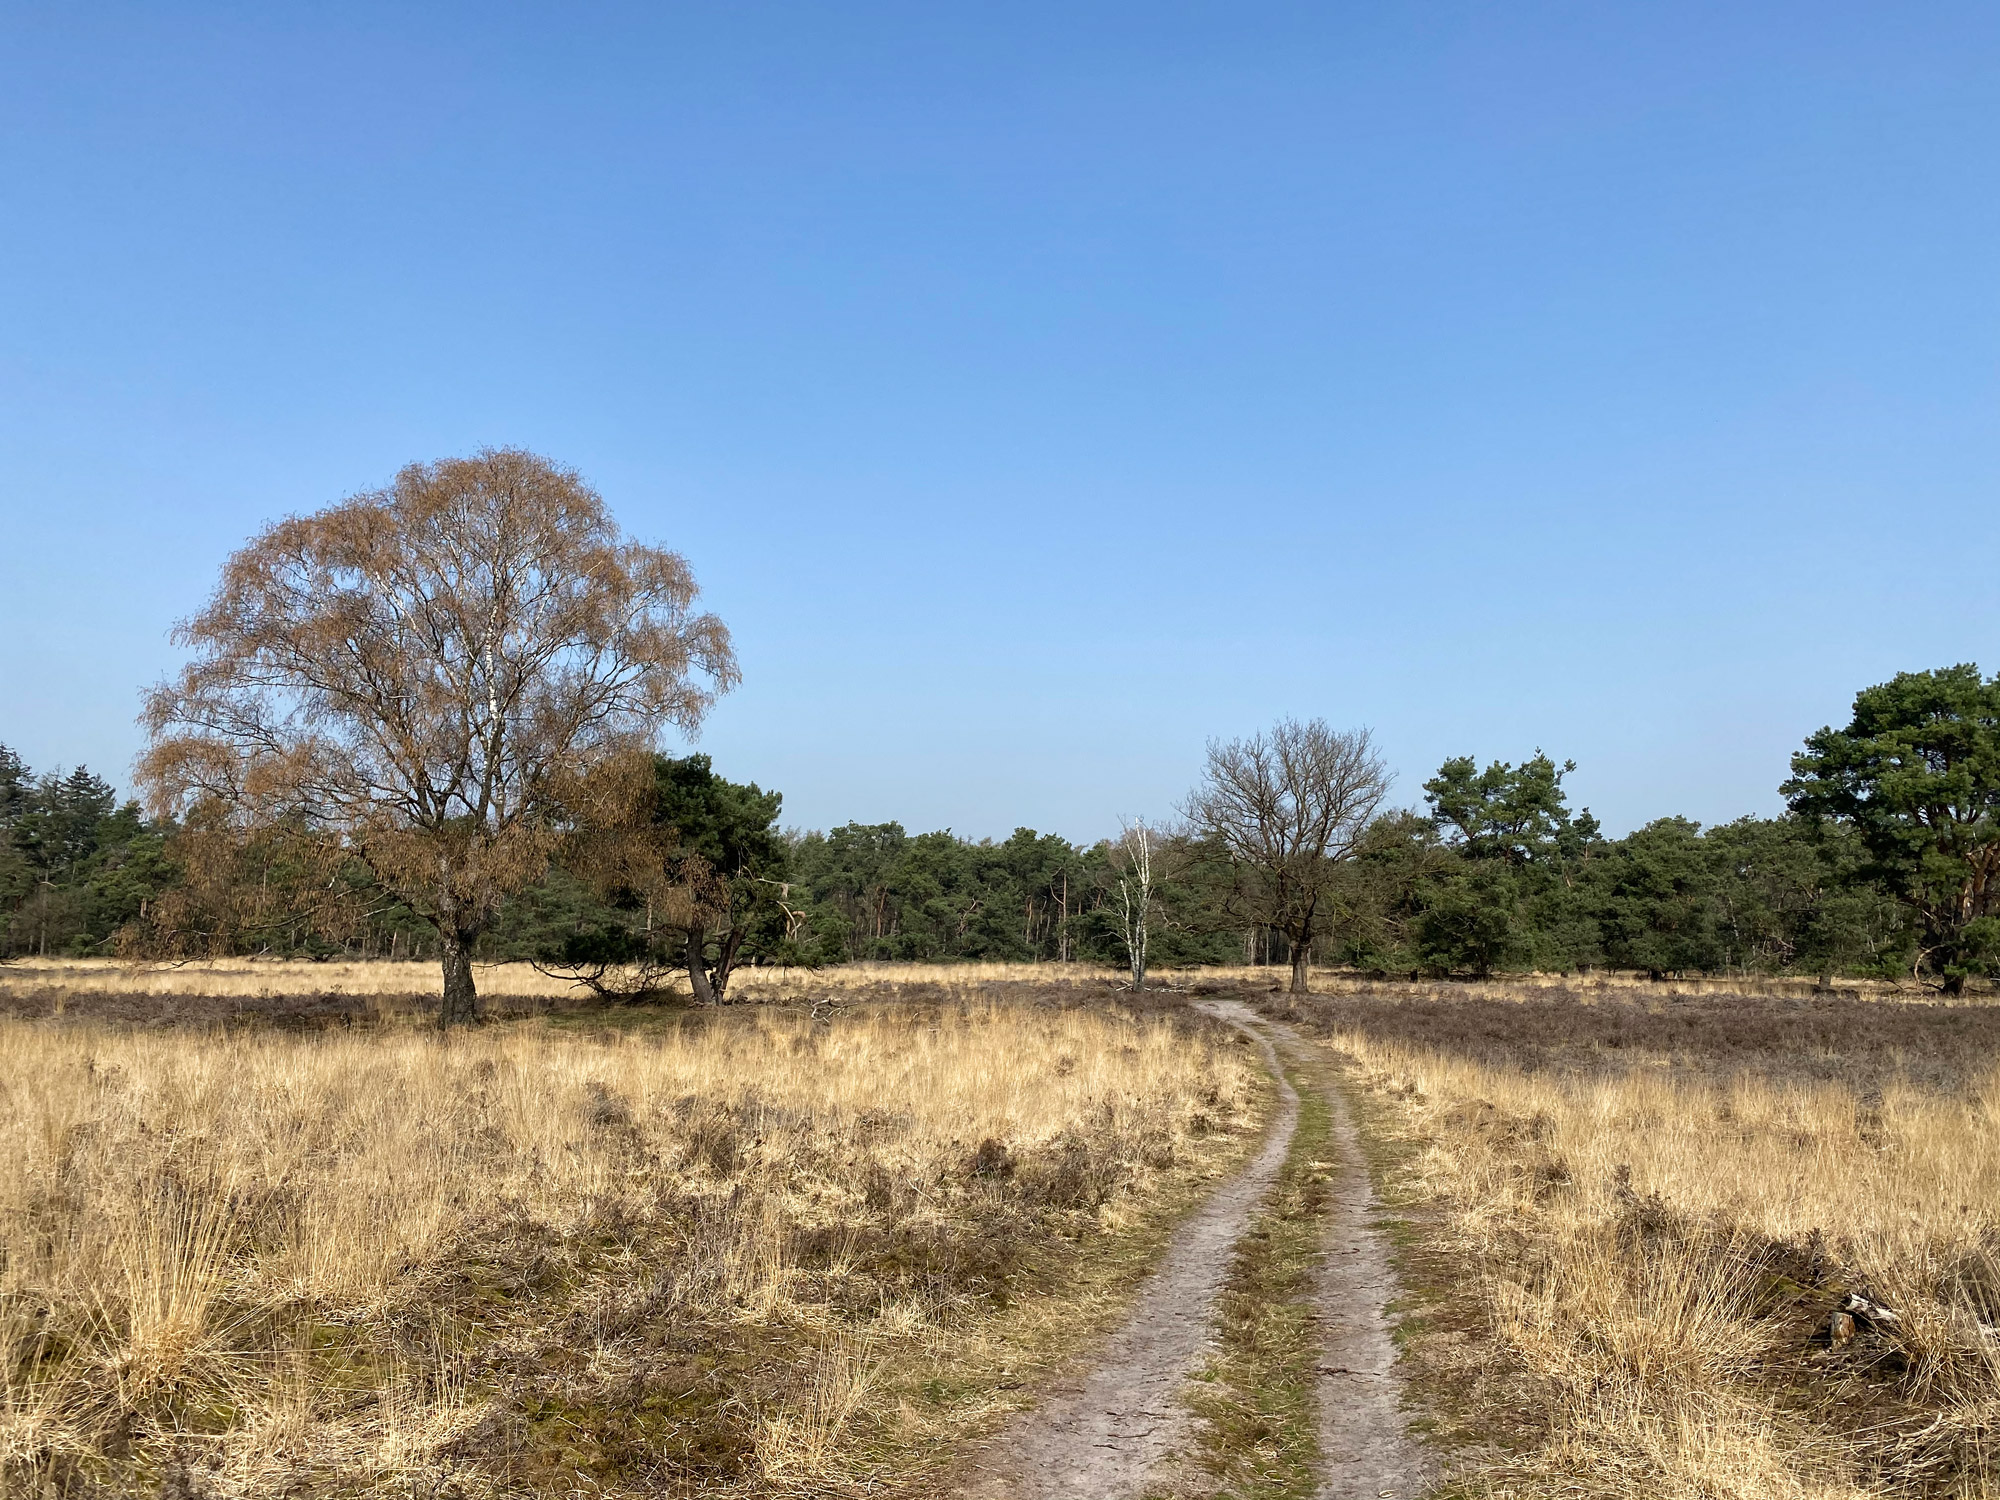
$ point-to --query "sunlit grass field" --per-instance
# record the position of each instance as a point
(1630, 1227)
(734, 1253)
(518, 986)
(264, 1230)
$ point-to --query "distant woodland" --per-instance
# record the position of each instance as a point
(1494, 872)
(418, 723)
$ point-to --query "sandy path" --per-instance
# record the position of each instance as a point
(1103, 1434)
(1363, 1438)
(1097, 1437)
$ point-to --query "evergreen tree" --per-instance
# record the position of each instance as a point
(1916, 776)
(1512, 897)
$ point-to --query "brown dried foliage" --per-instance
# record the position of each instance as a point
(436, 676)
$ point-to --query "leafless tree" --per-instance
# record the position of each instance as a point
(1290, 805)
(436, 676)
(1132, 861)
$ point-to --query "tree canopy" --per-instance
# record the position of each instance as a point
(76, 864)
(694, 872)
(1884, 865)
(1289, 806)
(1516, 813)
(426, 676)
(1916, 776)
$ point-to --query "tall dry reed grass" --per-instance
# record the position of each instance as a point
(744, 1254)
(1637, 1254)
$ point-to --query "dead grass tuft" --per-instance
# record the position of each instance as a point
(1635, 1222)
(734, 1253)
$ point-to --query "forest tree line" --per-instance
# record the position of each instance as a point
(1495, 872)
(419, 722)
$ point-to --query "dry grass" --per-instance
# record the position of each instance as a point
(261, 978)
(298, 992)
(1634, 1222)
(295, 993)
(734, 1254)
(257, 978)
(1614, 986)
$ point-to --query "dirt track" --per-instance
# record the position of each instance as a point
(1104, 1435)
(1362, 1437)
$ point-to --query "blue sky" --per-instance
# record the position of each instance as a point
(1040, 390)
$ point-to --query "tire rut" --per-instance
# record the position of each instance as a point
(1104, 1434)
(1364, 1437)
(1100, 1436)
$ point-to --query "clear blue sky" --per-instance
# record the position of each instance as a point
(1039, 390)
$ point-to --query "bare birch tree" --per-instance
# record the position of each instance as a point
(1290, 805)
(1132, 859)
(435, 675)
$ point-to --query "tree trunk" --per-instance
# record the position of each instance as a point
(727, 948)
(1301, 952)
(461, 996)
(697, 966)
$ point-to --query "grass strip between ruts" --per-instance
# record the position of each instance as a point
(1256, 1398)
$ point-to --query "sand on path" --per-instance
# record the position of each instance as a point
(1103, 1433)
